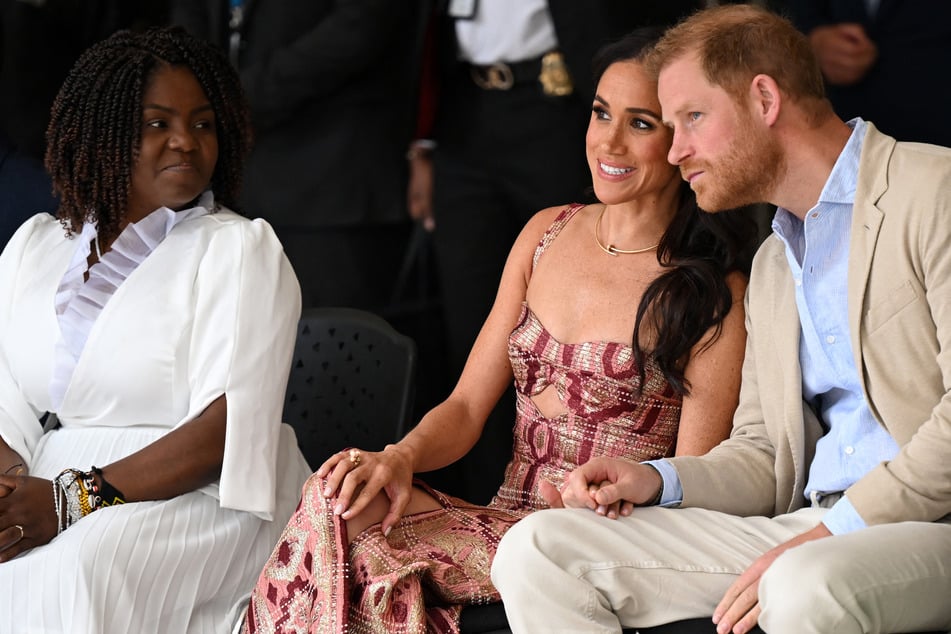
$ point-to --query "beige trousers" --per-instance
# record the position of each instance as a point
(575, 571)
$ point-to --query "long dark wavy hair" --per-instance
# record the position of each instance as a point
(95, 128)
(697, 251)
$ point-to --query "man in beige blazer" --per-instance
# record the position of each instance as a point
(827, 509)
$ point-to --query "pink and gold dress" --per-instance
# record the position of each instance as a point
(432, 564)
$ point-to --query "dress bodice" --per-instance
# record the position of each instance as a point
(607, 411)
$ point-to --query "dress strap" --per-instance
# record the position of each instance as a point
(552, 232)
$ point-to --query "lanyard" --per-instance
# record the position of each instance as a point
(235, 23)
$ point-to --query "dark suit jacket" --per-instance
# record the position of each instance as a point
(906, 93)
(332, 87)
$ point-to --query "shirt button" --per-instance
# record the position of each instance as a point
(798, 281)
(849, 450)
(830, 339)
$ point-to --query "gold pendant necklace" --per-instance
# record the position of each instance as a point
(611, 249)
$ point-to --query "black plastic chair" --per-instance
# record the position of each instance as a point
(351, 382)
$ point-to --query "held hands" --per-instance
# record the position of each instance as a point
(27, 516)
(357, 477)
(844, 51)
(738, 610)
(607, 486)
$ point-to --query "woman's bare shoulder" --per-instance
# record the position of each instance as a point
(543, 220)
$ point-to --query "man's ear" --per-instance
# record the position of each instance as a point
(765, 98)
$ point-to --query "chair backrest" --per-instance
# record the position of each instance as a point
(351, 382)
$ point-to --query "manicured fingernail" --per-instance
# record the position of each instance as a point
(386, 533)
(338, 509)
(327, 491)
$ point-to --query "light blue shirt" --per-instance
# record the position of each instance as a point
(817, 251)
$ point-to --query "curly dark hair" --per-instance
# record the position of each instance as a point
(697, 251)
(95, 128)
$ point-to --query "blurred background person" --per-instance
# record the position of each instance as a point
(883, 60)
(331, 86)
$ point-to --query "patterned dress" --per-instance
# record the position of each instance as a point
(418, 578)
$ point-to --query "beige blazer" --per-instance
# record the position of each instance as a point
(899, 296)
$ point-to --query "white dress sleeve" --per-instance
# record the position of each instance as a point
(19, 421)
(247, 308)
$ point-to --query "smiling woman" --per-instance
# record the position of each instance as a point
(153, 327)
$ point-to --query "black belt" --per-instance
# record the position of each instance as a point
(504, 75)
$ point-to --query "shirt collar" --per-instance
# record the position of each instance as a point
(840, 186)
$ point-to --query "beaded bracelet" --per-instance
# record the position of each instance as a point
(106, 494)
(67, 491)
(76, 494)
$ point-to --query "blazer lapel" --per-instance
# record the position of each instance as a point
(866, 224)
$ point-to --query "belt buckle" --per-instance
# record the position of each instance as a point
(493, 77)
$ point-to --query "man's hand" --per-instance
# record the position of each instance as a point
(608, 486)
(844, 51)
(738, 610)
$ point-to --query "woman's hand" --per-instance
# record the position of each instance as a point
(27, 516)
(356, 477)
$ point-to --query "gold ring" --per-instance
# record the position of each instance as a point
(355, 457)
(21, 532)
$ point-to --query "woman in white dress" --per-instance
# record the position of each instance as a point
(158, 326)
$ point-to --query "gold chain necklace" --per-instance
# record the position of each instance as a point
(611, 249)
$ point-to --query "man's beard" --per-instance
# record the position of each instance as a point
(746, 174)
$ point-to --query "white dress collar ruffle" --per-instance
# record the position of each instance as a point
(78, 303)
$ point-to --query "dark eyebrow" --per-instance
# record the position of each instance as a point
(649, 113)
(155, 106)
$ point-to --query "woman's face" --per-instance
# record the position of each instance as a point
(627, 143)
(179, 144)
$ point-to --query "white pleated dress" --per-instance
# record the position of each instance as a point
(187, 306)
